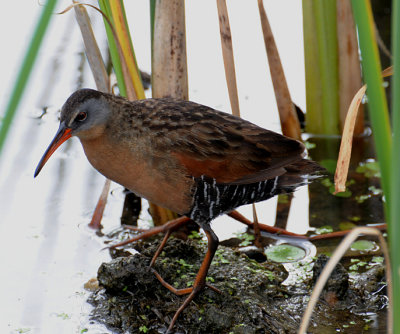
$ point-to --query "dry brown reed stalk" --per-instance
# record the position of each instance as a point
(346, 144)
(343, 162)
(331, 264)
(287, 113)
(227, 54)
(92, 50)
(349, 64)
(169, 67)
(230, 75)
(103, 84)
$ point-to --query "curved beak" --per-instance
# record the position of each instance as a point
(61, 136)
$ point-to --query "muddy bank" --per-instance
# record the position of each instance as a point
(253, 299)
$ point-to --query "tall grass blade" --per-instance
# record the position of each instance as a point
(105, 8)
(26, 67)
(394, 226)
(321, 64)
(388, 158)
(122, 30)
(377, 105)
(152, 15)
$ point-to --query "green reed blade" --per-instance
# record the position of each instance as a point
(25, 70)
(394, 226)
(321, 65)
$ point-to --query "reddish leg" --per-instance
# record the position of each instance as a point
(270, 229)
(167, 228)
(170, 226)
(160, 248)
(180, 292)
(200, 281)
(174, 224)
(338, 234)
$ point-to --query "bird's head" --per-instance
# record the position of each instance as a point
(84, 115)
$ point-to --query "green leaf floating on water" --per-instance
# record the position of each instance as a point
(344, 226)
(324, 229)
(363, 245)
(346, 194)
(285, 253)
(331, 187)
(369, 169)
(377, 259)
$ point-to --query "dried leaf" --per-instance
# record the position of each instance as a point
(342, 167)
(92, 50)
(333, 261)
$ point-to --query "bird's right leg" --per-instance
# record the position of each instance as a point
(200, 281)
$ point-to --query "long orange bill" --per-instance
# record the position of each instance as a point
(61, 136)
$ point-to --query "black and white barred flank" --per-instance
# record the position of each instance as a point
(212, 199)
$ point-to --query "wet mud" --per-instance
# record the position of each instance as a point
(254, 298)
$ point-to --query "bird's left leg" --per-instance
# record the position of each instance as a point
(200, 281)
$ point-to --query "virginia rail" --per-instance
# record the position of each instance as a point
(183, 156)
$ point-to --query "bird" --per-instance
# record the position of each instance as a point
(183, 156)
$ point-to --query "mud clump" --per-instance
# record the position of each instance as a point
(253, 298)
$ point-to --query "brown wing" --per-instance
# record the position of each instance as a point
(219, 145)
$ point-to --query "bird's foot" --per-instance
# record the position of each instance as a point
(181, 292)
(187, 301)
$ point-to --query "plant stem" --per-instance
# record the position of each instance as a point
(26, 68)
(387, 153)
(377, 104)
(320, 51)
(394, 226)
(105, 8)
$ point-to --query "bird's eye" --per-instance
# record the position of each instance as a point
(81, 116)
